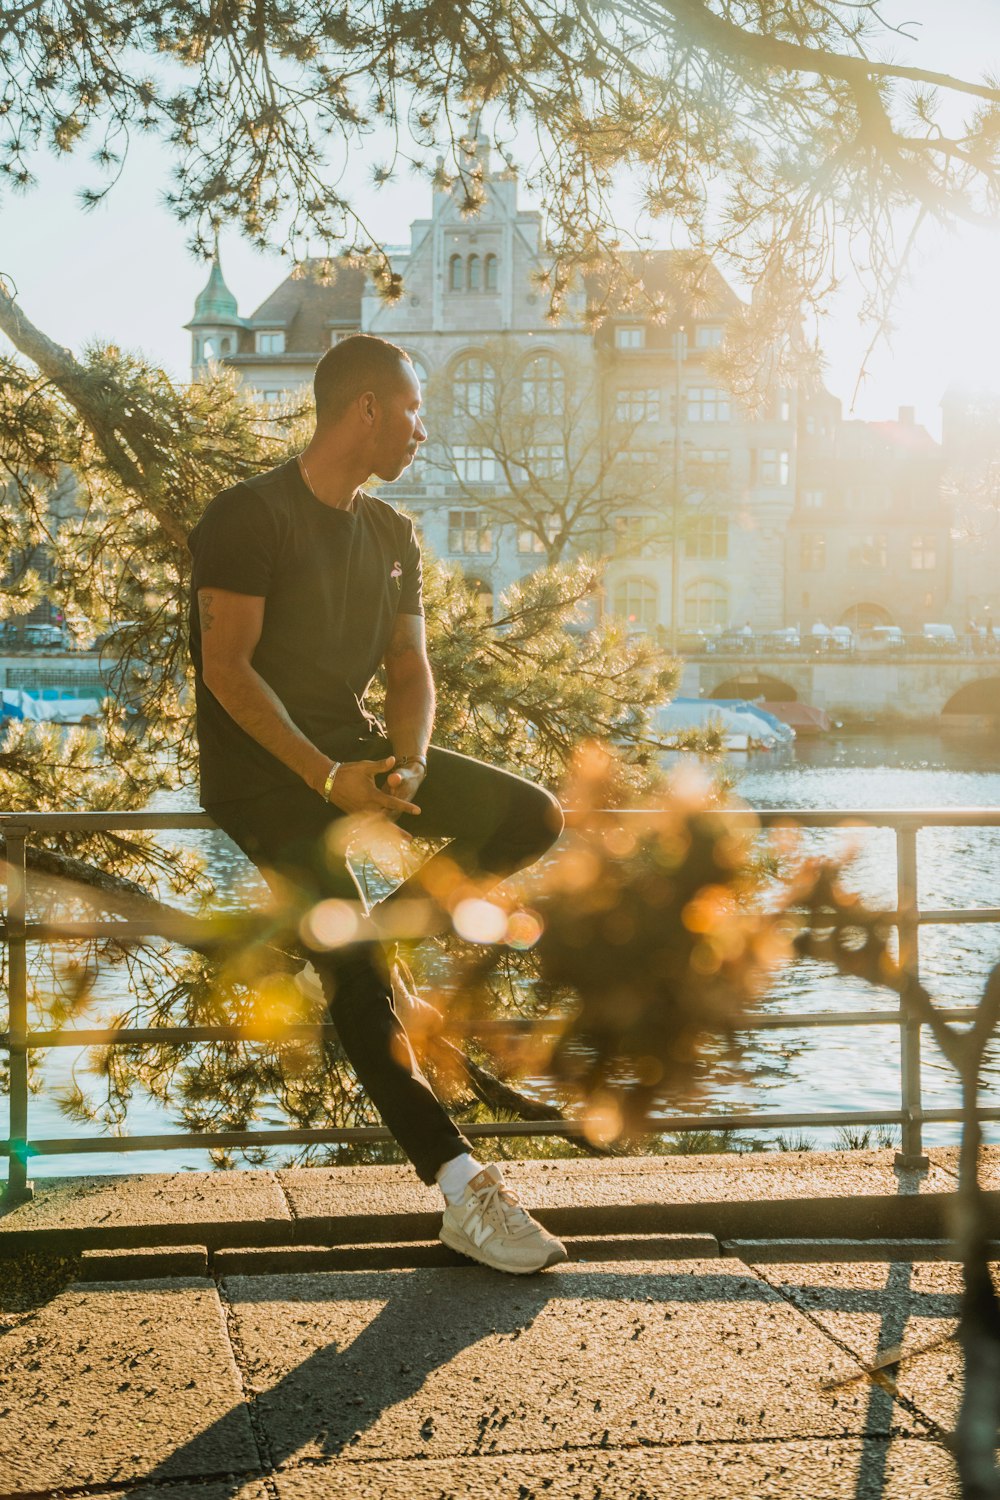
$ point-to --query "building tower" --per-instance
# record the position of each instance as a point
(216, 323)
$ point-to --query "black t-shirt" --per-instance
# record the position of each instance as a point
(334, 582)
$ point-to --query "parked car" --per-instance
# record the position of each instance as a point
(940, 637)
(883, 639)
(44, 636)
(842, 638)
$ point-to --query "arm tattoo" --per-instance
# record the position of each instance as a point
(205, 614)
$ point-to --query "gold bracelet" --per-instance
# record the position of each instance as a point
(330, 777)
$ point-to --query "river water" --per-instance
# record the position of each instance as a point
(839, 1068)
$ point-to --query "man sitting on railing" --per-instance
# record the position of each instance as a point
(302, 586)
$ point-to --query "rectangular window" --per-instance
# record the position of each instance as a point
(707, 536)
(812, 499)
(706, 403)
(638, 405)
(923, 554)
(774, 466)
(708, 338)
(529, 540)
(270, 343)
(812, 551)
(636, 535)
(708, 468)
(469, 533)
(546, 460)
(475, 465)
(870, 551)
(638, 458)
(630, 338)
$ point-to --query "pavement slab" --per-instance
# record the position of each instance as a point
(779, 1194)
(874, 1308)
(118, 1383)
(439, 1364)
(844, 1469)
(945, 1159)
(122, 1210)
(626, 1181)
(234, 1487)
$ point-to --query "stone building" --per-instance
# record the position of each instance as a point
(870, 537)
(971, 456)
(547, 440)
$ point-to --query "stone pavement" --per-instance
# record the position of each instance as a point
(690, 1374)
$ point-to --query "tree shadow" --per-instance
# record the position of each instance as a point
(427, 1320)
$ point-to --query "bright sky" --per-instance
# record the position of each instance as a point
(122, 273)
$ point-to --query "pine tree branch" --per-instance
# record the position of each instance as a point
(127, 451)
(713, 33)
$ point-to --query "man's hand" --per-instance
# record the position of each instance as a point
(354, 789)
(405, 781)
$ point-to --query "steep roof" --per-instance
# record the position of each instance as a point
(907, 437)
(309, 301)
(701, 292)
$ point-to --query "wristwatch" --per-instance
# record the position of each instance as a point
(328, 783)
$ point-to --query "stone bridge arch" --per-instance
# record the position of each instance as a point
(979, 698)
(751, 684)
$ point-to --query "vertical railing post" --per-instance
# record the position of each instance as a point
(18, 1187)
(911, 1153)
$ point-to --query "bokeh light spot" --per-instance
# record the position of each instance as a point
(329, 924)
(479, 921)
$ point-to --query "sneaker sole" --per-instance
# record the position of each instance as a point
(473, 1252)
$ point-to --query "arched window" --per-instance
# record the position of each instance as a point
(636, 601)
(473, 387)
(474, 272)
(544, 386)
(226, 346)
(456, 281)
(706, 603)
(492, 273)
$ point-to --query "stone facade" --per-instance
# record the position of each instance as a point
(709, 516)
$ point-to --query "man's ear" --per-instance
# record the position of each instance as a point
(368, 406)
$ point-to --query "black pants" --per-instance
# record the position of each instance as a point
(496, 823)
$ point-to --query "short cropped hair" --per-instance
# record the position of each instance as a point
(355, 365)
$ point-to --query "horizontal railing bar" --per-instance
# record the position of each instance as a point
(109, 1145)
(807, 817)
(100, 822)
(123, 1036)
(962, 916)
(184, 930)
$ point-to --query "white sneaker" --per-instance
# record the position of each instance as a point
(489, 1225)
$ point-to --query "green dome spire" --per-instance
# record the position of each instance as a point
(215, 303)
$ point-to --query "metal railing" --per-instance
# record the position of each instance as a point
(908, 917)
(775, 645)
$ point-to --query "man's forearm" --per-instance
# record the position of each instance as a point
(409, 711)
(256, 708)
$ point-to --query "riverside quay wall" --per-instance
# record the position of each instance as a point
(957, 691)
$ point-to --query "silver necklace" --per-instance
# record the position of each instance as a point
(305, 475)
